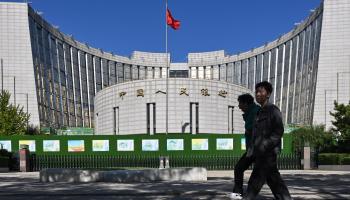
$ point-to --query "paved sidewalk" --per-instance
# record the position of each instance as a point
(303, 184)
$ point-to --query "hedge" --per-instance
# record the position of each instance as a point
(334, 159)
(345, 160)
(4, 161)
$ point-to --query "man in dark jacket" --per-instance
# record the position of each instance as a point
(249, 108)
(266, 144)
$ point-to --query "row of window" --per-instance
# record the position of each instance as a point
(151, 123)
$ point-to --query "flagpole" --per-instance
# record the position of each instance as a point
(167, 68)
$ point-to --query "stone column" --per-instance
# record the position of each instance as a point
(24, 159)
(307, 158)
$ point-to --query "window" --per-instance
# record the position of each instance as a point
(200, 72)
(237, 73)
(120, 72)
(230, 73)
(178, 74)
(194, 121)
(116, 120)
(223, 72)
(208, 72)
(230, 119)
(151, 118)
(251, 72)
(194, 72)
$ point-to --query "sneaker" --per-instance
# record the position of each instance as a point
(235, 196)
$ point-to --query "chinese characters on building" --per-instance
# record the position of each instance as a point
(183, 91)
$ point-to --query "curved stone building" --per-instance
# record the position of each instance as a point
(59, 77)
(194, 106)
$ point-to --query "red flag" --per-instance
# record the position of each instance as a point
(175, 24)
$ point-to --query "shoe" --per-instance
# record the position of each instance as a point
(235, 196)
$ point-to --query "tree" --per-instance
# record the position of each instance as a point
(13, 120)
(342, 121)
(314, 136)
(341, 125)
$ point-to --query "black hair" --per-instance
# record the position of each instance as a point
(246, 98)
(266, 85)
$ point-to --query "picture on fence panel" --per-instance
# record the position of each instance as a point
(5, 144)
(224, 144)
(51, 145)
(76, 146)
(243, 144)
(200, 144)
(100, 145)
(175, 144)
(30, 143)
(150, 145)
(125, 145)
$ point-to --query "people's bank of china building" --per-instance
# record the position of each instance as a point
(70, 84)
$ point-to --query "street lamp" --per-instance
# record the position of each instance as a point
(27, 107)
(2, 82)
(14, 87)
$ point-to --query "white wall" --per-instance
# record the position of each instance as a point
(334, 58)
(15, 50)
(213, 109)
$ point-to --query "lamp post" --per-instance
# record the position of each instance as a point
(14, 86)
(2, 80)
(27, 106)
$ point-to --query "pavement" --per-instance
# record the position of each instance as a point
(302, 184)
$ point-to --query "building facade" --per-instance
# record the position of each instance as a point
(194, 106)
(57, 77)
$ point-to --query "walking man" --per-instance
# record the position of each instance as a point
(266, 144)
(249, 108)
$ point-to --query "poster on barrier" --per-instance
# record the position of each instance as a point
(175, 144)
(243, 147)
(224, 144)
(150, 145)
(281, 143)
(76, 146)
(30, 143)
(100, 145)
(5, 144)
(199, 144)
(125, 145)
(51, 145)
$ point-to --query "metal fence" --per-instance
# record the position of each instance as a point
(211, 162)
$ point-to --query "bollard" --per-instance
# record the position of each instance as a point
(167, 164)
(161, 162)
(24, 158)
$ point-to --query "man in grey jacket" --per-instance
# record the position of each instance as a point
(266, 144)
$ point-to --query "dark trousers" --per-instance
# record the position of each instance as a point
(265, 170)
(242, 165)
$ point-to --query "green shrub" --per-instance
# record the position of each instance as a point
(4, 153)
(345, 160)
(4, 161)
(328, 159)
(334, 158)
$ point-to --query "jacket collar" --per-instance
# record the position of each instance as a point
(266, 107)
(250, 109)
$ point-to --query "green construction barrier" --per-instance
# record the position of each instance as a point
(71, 144)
